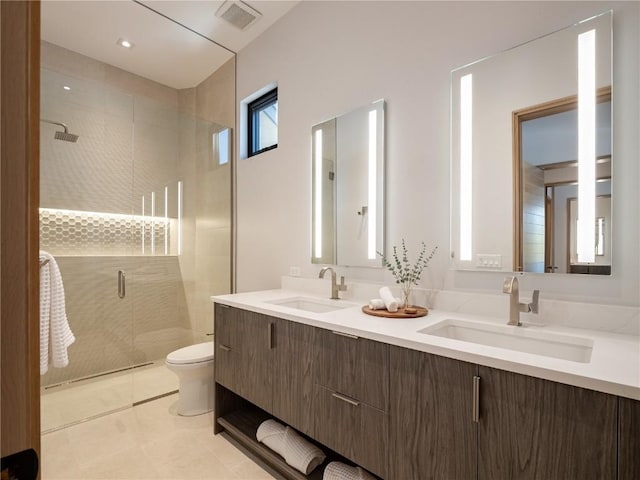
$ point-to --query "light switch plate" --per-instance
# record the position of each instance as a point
(489, 260)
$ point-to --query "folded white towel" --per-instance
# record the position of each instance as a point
(55, 334)
(342, 471)
(301, 454)
(388, 299)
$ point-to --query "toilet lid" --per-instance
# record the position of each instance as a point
(201, 352)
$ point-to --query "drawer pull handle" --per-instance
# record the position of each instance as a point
(222, 305)
(348, 335)
(346, 399)
(476, 399)
(225, 348)
(270, 339)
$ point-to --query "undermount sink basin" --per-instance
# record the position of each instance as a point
(519, 339)
(315, 305)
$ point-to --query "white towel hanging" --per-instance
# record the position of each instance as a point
(55, 334)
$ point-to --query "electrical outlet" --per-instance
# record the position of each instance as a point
(486, 260)
(294, 271)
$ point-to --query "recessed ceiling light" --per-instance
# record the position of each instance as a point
(124, 43)
(66, 87)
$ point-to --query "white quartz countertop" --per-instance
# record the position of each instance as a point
(614, 366)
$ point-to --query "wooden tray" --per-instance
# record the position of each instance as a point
(421, 312)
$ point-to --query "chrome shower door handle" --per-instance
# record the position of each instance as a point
(122, 284)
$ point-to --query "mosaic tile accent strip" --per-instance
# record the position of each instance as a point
(75, 232)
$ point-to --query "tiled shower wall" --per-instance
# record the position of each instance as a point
(136, 137)
(207, 271)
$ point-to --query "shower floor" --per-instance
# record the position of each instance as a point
(78, 401)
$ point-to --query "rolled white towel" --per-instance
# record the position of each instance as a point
(271, 433)
(388, 299)
(342, 471)
(301, 454)
(298, 452)
(377, 304)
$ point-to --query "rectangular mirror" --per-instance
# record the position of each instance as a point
(348, 188)
(531, 129)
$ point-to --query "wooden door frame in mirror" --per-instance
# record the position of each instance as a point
(518, 117)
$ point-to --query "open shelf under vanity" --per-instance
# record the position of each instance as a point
(242, 424)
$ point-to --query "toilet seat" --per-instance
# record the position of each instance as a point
(198, 353)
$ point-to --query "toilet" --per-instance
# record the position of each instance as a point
(194, 367)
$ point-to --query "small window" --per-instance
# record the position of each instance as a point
(221, 146)
(262, 124)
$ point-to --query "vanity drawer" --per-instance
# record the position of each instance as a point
(351, 428)
(354, 366)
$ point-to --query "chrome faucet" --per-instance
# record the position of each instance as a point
(335, 288)
(511, 287)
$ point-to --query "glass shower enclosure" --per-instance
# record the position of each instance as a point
(135, 184)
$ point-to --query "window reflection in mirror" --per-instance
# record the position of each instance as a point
(348, 188)
(512, 207)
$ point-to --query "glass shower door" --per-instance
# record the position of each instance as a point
(86, 223)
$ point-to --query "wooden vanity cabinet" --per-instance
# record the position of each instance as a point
(293, 382)
(629, 439)
(404, 414)
(293, 372)
(352, 398)
(537, 429)
(243, 354)
(355, 367)
(432, 433)
(352, 428)
(527, 428)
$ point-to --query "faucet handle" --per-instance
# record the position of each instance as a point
(342, 287)
(533, 306)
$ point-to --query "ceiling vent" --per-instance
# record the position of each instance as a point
(238, 14)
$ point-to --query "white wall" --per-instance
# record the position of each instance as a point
(330, 57)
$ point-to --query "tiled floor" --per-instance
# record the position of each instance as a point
(143, 442)
(78, 401)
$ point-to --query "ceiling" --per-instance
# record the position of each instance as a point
(163, 51)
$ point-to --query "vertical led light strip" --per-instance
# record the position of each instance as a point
(153, 223)
(166, 220)
(466, 165)
(600, 234)
(179, 217)
(373, 173)
(142, 225)
(318, 194)
(586, 146)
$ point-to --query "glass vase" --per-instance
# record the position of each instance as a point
(406, 294)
